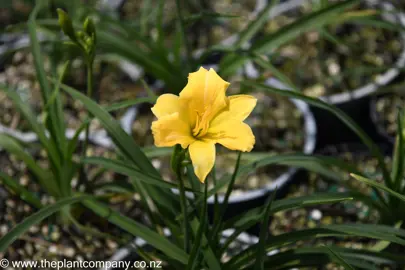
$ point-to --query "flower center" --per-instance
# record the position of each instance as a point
(201, 125)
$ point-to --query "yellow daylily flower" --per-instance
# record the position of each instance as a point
(201, 116)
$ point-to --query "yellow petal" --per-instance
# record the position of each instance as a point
(214, 92)
(239, 108)
(196, 83)
(205, 96)
(206, 90)
(202, 154)
(170, 130)
(166, 104)
(233, 134)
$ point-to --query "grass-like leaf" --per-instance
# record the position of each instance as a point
(206, 248)
(126, 144)
(272, 41)
(20, 190)
(55, 124)
(159, 242)
(339, 259)
(43, 176)
(339, 114)
(287, 204)
(398, 159)
(45, 212)
(337, 230)
(38, 128)
(199, 234)
(379, 186)
(264, 232)
(124, 168)
(299, 160)
(256, 24)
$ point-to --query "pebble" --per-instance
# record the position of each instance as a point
(69, 252)
(111, 244)
(253, 181)
(311, 224)
(157, 163)
(29, 249)
(327, 220)
(316, 214)
(3, 229)
(45, 230)
(55, 236)
(24, 180)
(34, 229)
(10, 203)
(53, 249)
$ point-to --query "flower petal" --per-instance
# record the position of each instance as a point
(239, 108)
(166, 104)
(196, 83)
(233, 134)
(202, 154)
(214, 92)
(170, 130)
(205, 96)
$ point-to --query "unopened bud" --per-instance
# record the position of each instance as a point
(66, 24)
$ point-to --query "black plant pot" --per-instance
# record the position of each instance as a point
(356, 102)
(238, 203)
(331, 130)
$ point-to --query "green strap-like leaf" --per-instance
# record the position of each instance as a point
(269, 42)
(45, 212)
(253, 27)
(298, 160)
(56, 122)
(159, 242)
(38, 128)
(375, 150)
(198, 235)
(288, 204)
(373, 183)
(208, 251)
(43, 176)
(339, 259)
(398, 167)
(124, 168)
(20, 190)
(264, 232)
(337, 230)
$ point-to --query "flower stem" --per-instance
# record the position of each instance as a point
(82, 173)
(90, 95)
(183, 204)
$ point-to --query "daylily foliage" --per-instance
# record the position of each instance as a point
(201, 116)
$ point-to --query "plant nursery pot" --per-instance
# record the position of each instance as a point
(20, 64)
(129, 253)
(354, 102)
(357, 103)
(249, 199)
(355, 154)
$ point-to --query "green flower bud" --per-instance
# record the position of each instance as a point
(89, 28)
(66, 24)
